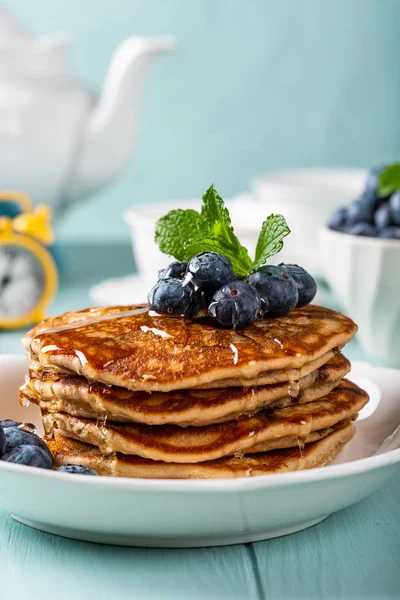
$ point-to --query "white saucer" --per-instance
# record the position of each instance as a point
(173, 513)
(131, 289)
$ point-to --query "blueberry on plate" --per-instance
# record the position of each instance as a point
(364, 229)
(170, 297)
(277, 289)
(372, 183)
(382, 216)
(360, 211)
(390, 233)
(338, 220)
(306, 285)
(175, 270)
(209, 271)
(394, 204)
(76, 470)
(2, 441)
(235, 305)
(31, 456)
(10, 423)
(17, 437)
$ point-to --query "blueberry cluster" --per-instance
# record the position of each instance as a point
(20, 445)
(369, 215)
(208, 281)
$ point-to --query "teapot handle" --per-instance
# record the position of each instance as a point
(18, 197)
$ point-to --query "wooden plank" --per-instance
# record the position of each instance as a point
(352, 555)
(34, 565)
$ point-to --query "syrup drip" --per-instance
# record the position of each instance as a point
(49, 429)
(301, 444)
(24, 402)
(156, 331)
(82, 358)
(239, 454)
(293, 389)
(235, 353)
(28, 427)
(101, 420)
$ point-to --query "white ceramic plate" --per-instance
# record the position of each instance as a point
(166, 513)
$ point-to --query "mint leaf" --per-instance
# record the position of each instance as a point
(389, 180)
(273, 230)
(185, 233)
(216, 233)
(174, 229)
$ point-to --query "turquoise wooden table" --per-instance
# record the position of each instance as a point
(354, 554)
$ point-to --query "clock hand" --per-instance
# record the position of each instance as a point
(6, 277)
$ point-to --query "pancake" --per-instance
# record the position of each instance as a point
(75, 396)
(171, 443)
(317, 454)
(137, 349)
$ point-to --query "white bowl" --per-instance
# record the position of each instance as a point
(173, 513)
(307, 198)
(364, 274)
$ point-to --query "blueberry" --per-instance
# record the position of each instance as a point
(18, 437)
(339, 219)
(306, 285)
(10, 423)
(235, 305)
(2, 441)
(170, 297)
(363, 229)
(76, 470)
(209, 271)
(382, 218)
(175, 270)
(394, 204)
(277, 289)
(390, 233)
(360, 211)
(32, 456)
(372, 183)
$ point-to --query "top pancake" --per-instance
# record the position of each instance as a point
(138, 349)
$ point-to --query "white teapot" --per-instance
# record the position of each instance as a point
(57, 142)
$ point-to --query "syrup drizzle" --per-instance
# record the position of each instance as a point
(293, 389)
(88, 322)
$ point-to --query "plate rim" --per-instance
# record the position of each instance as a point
(241, 484)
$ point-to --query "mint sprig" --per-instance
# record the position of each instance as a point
(184, 233)
(389, 180)
(270, 240)
(173, 229)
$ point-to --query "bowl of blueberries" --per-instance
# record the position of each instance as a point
(360, 254)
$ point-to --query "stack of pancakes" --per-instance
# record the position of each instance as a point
(131, 393)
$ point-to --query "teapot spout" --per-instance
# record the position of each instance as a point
(110, 132)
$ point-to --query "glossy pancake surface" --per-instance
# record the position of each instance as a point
(134, 348)
(171, 443)
(74, 395)
(317, 454)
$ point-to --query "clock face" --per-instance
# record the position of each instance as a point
(22, 281)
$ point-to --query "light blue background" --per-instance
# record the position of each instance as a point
(254, 85)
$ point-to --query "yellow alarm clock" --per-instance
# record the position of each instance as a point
(28, 273)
